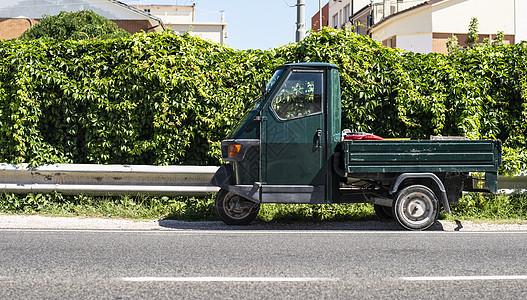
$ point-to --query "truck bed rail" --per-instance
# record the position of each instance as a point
(422, 156)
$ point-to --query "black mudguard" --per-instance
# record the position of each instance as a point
(224, 177)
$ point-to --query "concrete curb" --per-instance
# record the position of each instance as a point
(75, 223)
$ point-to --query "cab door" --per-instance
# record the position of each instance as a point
(293, 136)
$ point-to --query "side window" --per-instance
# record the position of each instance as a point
(300, 94)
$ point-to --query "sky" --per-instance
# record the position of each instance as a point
(251, 24)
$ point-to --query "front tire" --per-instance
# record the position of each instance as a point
(235, 210)
(416, 207)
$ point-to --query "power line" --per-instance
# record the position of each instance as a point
(288, 4)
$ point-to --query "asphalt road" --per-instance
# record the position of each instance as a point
(261, 264)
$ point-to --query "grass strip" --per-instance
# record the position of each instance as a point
(504, 208)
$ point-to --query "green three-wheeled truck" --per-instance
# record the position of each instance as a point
(289, 148)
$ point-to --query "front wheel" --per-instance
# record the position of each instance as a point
(235, 210)
(416, 207)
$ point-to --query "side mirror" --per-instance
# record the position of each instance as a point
(264, 86)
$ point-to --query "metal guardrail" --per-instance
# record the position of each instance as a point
(510, 185)
(107, 179)
(136, 179)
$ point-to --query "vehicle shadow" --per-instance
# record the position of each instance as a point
(292, 226)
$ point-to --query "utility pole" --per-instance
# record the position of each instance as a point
(300, 20)
(320, 14)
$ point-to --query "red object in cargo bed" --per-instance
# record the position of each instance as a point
(362, 136)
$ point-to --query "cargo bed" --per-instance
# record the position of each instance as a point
(422, 156)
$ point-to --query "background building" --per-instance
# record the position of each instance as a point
(425, 26)
(341, 11)
(315, 20)
(16, 16)
(180, 18)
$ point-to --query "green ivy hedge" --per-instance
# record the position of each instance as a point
(162, 98)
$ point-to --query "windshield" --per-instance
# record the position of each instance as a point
(274, 79)
(255, 104)
(241, 116)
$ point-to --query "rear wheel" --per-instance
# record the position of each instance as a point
(235, 210)
(383, 212)
(416, 207)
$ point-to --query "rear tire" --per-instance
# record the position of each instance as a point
(235, 210)
(383, 212)
(416, 207)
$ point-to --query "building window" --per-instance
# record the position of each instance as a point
(390, 43)
(346, 14)
(335, 21)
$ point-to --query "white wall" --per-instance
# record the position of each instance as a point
(521, 21)
(414, 22)
(171, 14)
(213, 32)
(181, 19)
(421, 43)
(454, 16)
(336, 8)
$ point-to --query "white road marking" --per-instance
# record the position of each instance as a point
(465, 278)
(259, 232)
(225, 279)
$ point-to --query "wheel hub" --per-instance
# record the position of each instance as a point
(236, 207)
(416, 208)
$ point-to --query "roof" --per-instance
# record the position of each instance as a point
(430, 2)
(139, 11)
(311, 65)
(163, 5)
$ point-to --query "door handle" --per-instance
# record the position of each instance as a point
(317, 140)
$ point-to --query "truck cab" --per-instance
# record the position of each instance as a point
(288, 148)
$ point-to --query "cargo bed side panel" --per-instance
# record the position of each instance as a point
(421, 156)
